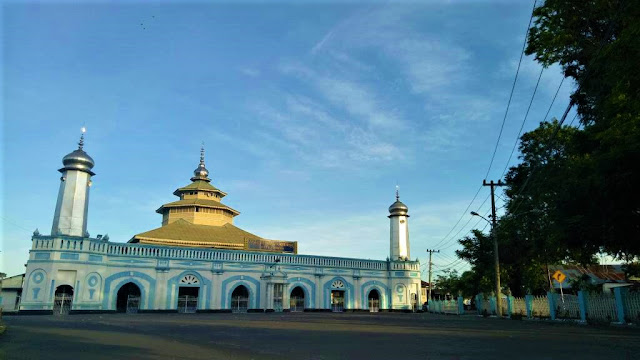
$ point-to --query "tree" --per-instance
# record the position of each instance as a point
(448, 282)
(574, 194)
(597, 43)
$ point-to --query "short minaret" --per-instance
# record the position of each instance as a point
(72, 206)
(399, 230)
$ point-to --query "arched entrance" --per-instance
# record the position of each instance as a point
(188, 293)
(188, 299)
(374, 301)
(240, 299)
(337, 300)
(63, 299)
(296, 300)
(128, 298)
(337, 295)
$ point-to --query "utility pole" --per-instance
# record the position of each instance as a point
(494, 235)
(430, 251)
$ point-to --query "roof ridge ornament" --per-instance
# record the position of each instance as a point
(397, 192)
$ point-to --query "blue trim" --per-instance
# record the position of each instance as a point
(69, 256)
(620, 295)
(76, 291)
(51, 290)
(309, 301)
(582, 303)
(96, 258)
(383, 290)
(130, 275)
(96, 279)
(203, 299)
(241, 280)
(348, 291)
(42, 256)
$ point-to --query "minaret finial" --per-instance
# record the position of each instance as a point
(81, 142)
(397, 192)
(202, 154)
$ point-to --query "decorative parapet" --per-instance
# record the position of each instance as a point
(102, 247)
(405, 265)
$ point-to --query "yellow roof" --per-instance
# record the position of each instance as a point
(199, 202)
(199, 185)
(183, 231)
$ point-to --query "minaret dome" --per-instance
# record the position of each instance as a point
(398, 208)
(78, 159)
(201, 172)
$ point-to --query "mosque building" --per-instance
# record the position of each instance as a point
(199, 261)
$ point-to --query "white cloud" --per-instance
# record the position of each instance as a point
(250, 72)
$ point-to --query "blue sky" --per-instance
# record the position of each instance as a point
(310, 114)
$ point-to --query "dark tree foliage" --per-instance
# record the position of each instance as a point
(597, 42)
(576, 192)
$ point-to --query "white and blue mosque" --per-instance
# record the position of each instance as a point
(199, 261)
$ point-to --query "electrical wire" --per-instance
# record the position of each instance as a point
(513, 86)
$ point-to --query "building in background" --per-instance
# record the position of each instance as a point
(197, 260)
(10, 293)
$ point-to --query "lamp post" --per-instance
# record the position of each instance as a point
(496, 260)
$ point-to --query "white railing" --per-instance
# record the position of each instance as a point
(150, 251)
(519, 306)
(540, 307)
(567, 306)
(601, 307)
(632, 307)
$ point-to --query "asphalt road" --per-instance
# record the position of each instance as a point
(308, 336)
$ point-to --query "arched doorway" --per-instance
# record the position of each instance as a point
(337, 295)
(374, 301)
(240, 299)
(128, 298)
(63, 299)
(296, 300)
(188, 293)
(337, 300)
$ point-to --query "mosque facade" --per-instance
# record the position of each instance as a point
(199, 261)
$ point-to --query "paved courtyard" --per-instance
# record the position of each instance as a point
(307, 336)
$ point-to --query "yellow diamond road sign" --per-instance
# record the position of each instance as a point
(559, 276)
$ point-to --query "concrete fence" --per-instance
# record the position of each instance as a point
(621, 307)
(453, 306)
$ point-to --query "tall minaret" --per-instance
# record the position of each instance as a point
(70, 217)
(399, 230)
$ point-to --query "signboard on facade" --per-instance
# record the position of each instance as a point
(290, 247)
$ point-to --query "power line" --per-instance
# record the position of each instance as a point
(14, 224)
(461, 216)
(465, 212)
(515, 144)
(513, 86)
(454, 237)
(506, 166)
